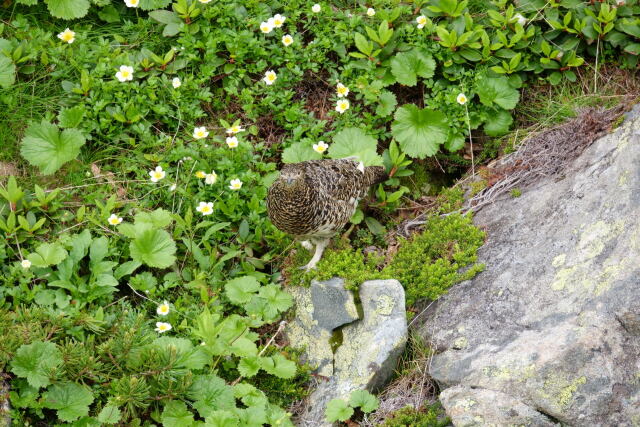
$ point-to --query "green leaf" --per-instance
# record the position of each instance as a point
(109, 14)
(279, 366)
(407, 66)
(47, 148)
(357, 217)
(176, 414)
(249, 366)
(222, 419)
(419, 132)
(35, 361)
(387, 103)
(154, 248)
(159, 218)
(277, 299)
(7, 72)
(68, 9)
(454, 142)
(210, 393)
(240, 289)
(374, 226)
(154, 4)
(364, 400)
(165, 17)
(71, 117)
(71, 400)
(338, 410)
(353, 142)
(497, 91)
(299, 152)
(47, 254)
(498, 124)
(126, 269)
(110, 414)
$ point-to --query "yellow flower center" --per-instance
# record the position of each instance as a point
(422, 20)
(67, 36)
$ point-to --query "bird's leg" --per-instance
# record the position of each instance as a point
(320, 245)
(307, 245)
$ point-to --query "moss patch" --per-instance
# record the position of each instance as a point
(444, 254)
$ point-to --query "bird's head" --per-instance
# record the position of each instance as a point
(291, 179)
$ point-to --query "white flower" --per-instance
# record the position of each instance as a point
(320, 147)
(163, 310)
(278, 20)
(232, 141)
(132, 3)
(316, 8)
(125, 73)
(205, 208)
(163, 327)
(266, 27)
(200, 174)
(422, 21)
(461, 98)
(270, 77)
(176, 82)
(621, 2)
(287, 39)
(235, 129)
(342, 90)
(67, 36)
(204, 1)
(521, 19)
(25, 263)
(173, 187)
(211, 178)
(157, 174)
(236, 184)
(201, 132)
(559, 55)
(342, 105)
(114, 219)
(371, 11)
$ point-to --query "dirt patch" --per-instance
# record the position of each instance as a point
(8, 169)
(316, 91)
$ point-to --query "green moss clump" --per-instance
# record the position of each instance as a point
(429, 416)
(345, 262)
(516, 192)
(443, 255)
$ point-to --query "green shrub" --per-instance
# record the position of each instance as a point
(429, 416)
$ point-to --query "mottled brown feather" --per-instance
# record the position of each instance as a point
(316, 198)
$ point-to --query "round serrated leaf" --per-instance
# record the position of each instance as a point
(353, 142)
(498, 124)
(47, 254)
(497, 91)
(35, 361)
(47, 148)
(68, 9)
(419, 132)
(154, 248)
(338, 410)
(7, 72)
(407, 66)
(240, 289)
(299, 152)
(364, 400)
(69, 399)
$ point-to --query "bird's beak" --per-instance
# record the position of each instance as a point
(289, 181)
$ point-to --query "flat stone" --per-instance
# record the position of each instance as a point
(369, 351)
(313, 326)
(333, 305)
(480, 407)
(553, 322)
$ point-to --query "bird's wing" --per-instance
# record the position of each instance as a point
(339, 179)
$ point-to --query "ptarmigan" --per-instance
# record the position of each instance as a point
(313, 200)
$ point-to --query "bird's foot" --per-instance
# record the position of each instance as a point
(307, 245)
(308, 267)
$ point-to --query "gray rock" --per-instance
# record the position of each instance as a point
(369, 350)
(480, 407)
(554, 320)
(5, 418)
(320, 309)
